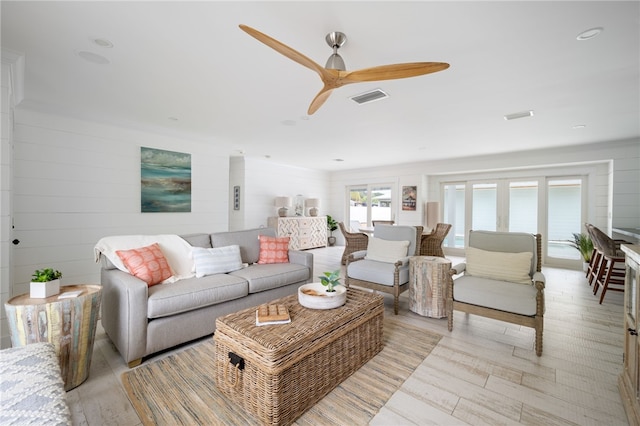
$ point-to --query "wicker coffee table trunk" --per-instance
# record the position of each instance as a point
(277, 372)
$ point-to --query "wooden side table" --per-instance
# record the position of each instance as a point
(69, 324)
(428, 277)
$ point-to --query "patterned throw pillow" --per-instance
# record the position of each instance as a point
(273, 249)
(217, 260)
(146, 263)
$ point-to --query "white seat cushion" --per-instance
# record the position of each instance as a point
(490, 293)
(377, 272)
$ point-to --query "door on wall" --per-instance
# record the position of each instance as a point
(370, 202)
(565, 216)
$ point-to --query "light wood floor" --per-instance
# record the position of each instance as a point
(483, 372)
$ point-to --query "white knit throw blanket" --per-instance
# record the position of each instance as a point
(176, 250)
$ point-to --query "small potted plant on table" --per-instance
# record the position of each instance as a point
(327, 294)
(44, 283)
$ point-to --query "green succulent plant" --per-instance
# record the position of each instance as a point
(330, 280)
(44, 275)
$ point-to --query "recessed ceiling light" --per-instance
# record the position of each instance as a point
(102, 42)
(338, 160)
(589, 34)
(517, 115)
(579, 126)
(93, 57)
(173, 118)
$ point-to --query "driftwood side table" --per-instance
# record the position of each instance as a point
(69, 324)
(428, 277)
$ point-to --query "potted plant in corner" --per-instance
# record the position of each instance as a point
(332, 225)
(44, 283)
(584, 245)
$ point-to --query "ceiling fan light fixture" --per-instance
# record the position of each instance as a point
(335, 62)
(589, 34)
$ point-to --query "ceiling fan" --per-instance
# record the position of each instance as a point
(334, 74)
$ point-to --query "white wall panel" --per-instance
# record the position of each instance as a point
(76, 182)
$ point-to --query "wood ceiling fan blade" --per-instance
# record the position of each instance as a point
(320, 99)
(283, 49)
(392, 72)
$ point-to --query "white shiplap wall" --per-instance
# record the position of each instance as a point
(75, 182)
(5, 197)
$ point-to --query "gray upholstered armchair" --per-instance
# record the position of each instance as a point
(384, 266)
(501, 280)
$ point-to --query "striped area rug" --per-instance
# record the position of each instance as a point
(180, 389)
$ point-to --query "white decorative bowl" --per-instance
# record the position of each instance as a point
(315, 296)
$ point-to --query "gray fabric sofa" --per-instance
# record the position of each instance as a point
(142, 320)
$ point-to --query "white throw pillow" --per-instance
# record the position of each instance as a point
(217, 260)
(386, 250)
(511, 267)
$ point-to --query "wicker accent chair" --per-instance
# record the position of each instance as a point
(384, 265)
(501, 279)
(432, 243)
(353, 241)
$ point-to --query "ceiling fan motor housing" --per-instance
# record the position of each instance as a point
(335, 40)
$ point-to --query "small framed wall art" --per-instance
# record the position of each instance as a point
(409, 197)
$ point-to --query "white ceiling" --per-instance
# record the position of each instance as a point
(190, 61)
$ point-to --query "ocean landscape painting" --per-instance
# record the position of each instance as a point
(165, 181)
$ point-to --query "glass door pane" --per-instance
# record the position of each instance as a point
(564, 217)
(523, 207)
(358, 205)
(484, 206)
(454, 214)
(381, 203)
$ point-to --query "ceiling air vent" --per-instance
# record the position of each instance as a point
(366, 97)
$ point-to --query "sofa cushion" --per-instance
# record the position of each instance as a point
(218, 260)
(198, 240)
(146, 263)
(377, 272)
(386, 250)
(273, 250)
(490, 293)
(193, 293)
(266, 277)
(512, 267)
(247, 240)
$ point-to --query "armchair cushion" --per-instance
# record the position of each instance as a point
(500, 295)
(511, 267)
(386, 250)
(377, 272)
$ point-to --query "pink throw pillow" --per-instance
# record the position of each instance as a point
(273, 250)
(146, 263)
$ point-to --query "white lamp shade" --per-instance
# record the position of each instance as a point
(283, 202)
(312, 202)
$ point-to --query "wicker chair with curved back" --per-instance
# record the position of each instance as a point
(432, 243)
(384, 266)
(383, 222)
(353, 241)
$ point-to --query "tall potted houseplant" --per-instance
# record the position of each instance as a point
(332, 225)
(584, 245)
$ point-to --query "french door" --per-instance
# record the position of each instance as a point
(370, 202)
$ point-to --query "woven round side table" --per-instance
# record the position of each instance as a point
(68, 323)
